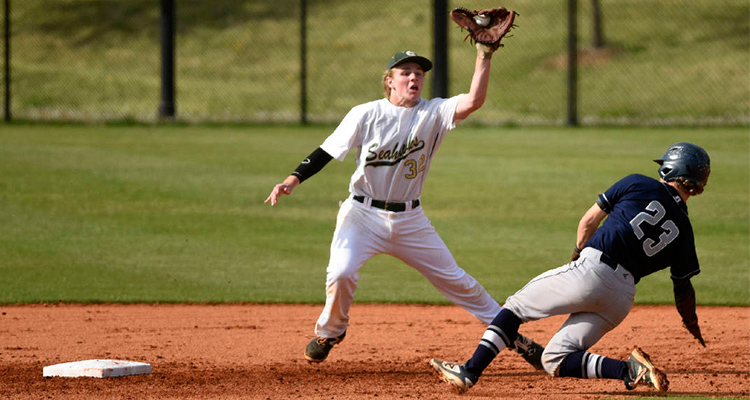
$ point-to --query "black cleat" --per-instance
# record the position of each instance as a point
(317, 350)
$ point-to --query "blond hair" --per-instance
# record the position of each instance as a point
(688, 186)
(387, 89)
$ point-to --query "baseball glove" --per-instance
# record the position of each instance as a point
(485, 27)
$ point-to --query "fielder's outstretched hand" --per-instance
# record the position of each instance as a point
(286, 187)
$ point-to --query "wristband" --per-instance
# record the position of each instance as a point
(576, 249)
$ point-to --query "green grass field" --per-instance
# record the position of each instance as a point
(176, 213)
(92, 60)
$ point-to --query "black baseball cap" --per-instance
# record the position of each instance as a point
(409, 56)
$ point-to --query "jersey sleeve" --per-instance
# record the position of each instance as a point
(683, 271)
(346, 136)
(449, 108)
(612, 196)
(687, 265)
(604, 204)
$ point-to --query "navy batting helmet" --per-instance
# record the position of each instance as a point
(685, 160)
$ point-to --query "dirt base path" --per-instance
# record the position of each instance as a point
(255, 352)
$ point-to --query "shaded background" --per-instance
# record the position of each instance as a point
(667, 62)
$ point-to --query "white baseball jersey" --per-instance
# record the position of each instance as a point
(395, 145)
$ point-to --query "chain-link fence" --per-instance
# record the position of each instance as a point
(656, 61)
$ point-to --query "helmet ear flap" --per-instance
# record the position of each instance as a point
(664, 172)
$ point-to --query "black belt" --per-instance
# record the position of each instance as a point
(609, 261)
(387, 205)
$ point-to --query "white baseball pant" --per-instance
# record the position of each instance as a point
(363, 232)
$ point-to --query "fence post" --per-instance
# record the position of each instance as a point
(167, 106)
(6, 72)
(440, 48)
(572, 63)
(303, 62)
(598, 28)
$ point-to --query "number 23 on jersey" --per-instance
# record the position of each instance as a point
(667, 236)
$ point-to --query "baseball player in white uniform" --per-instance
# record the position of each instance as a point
(395, 139)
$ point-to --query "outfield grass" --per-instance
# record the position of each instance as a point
(82, 59)
(176, 213)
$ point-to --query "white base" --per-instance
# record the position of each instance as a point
(97, 368)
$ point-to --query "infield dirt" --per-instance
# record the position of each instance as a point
(248, 351)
